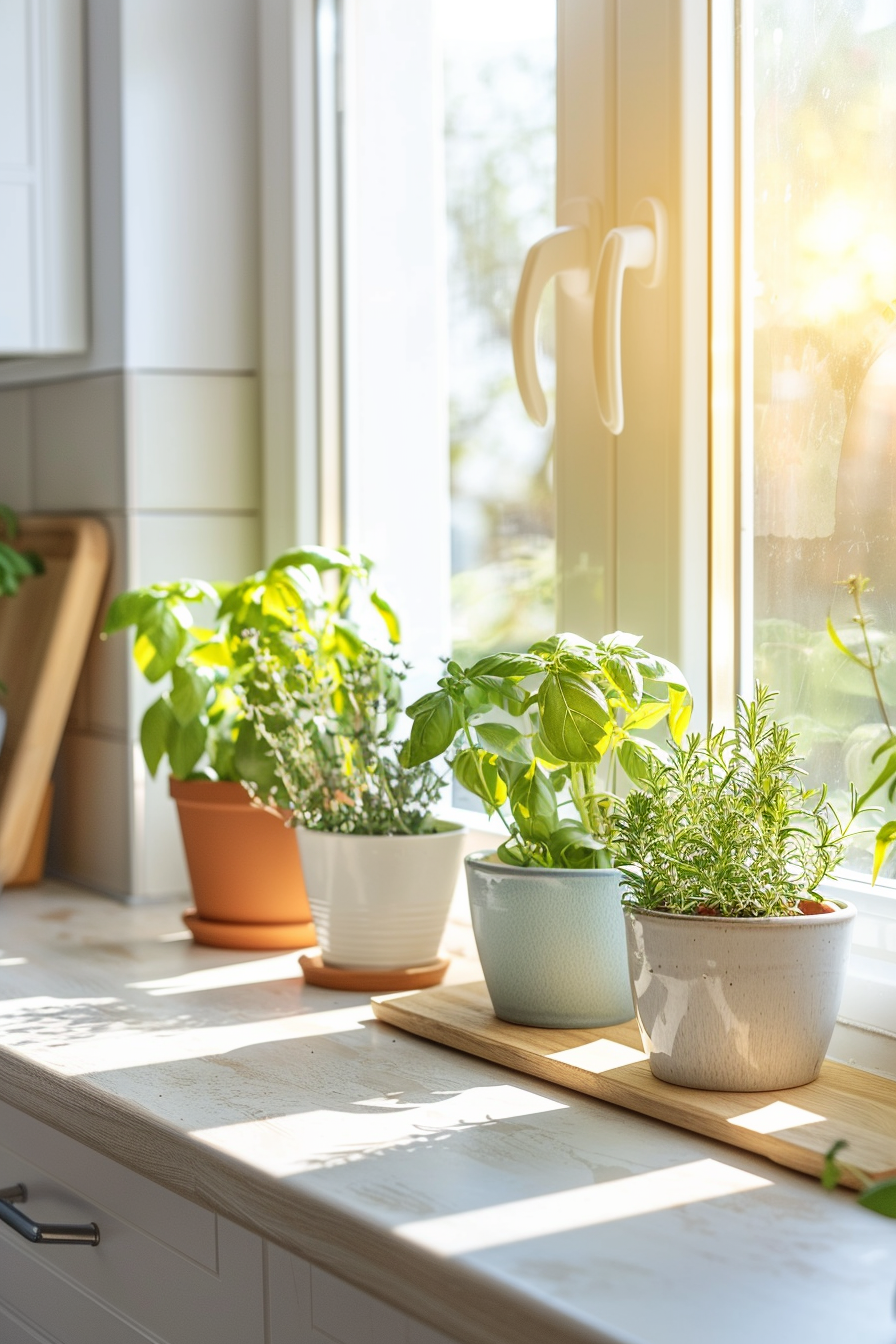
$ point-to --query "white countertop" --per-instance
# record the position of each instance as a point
(499, 1209)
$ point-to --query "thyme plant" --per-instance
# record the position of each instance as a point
(725, 826)
(327, 721)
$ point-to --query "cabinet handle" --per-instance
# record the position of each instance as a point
(45, 1234)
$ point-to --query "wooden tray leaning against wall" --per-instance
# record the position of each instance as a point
(44, 632)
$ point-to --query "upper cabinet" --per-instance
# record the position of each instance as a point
(43, 272)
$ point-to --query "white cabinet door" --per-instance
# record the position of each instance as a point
(165, 1268)
(307, 1305)
(43, 272)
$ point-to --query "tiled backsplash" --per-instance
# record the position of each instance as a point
(171, 463)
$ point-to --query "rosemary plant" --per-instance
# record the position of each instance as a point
(327, 722)
(725, 826)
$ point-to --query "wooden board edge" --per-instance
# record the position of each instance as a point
(50, 704)
(601, 1088)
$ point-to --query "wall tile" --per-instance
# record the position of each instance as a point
(193, 440)
(78, 444)
(160, 869)
(216, 547)
(91, 822)
(15, 458)
(190, 151)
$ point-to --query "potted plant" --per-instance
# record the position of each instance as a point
(380, 870)
(540, 737)
(244, 868)
(737, 962)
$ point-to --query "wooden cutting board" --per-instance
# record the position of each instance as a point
(794, 1127)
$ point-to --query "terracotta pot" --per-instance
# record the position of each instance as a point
(244, 862)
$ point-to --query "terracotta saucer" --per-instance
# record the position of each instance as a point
(345, 977)
(249, 937)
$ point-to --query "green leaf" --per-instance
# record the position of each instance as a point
(253, 760)
(830, 1174)
(436, 720)
(214, 653)
(881, 1197)
(648, 714)
(128, 609)
(505, 740)
(533, 803)
(322, 558)
(508, 665)
(838, 643)
(189, 692)
(159, 640)
(347, 639)
(280, 600)
(574, 717)
(625, 677)
(680, 706)
(390, 619)
(154, 729)
(186, 743)
(882, 844)
(635, 756)
(880, 779)
(572, 846)
(478, 771)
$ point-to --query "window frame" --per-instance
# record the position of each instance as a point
(708, 522)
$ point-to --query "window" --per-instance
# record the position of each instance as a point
(754, 467)
(824, 376)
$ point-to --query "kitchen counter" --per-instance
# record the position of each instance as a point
(493, 1207)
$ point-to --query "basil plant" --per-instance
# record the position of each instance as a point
(540, 738)
(199, 720)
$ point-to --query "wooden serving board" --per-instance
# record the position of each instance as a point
(794, 1127)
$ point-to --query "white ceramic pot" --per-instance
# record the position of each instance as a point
(380, 902)
(739, 1005)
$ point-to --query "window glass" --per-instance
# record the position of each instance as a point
(499, 66)
(824, 380)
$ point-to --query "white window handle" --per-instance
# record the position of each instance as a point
(571, 252)
(640, 246)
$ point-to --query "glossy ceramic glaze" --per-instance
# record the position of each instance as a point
(380, 902)
(551, 942)
(740, 1005)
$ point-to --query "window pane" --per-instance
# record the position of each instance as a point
(824, 376)
(500, 168)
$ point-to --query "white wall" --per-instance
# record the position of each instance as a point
(156, 428)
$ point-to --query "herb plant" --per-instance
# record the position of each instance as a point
(537, 736)
(327, 719)
(198, 721)
(724, 825)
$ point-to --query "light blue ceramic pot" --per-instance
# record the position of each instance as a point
(551, 942)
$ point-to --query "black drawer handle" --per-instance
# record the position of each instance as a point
(45, 1234)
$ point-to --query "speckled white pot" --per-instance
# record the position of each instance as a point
(551, 942)
(380, 902)
(739, 1005)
